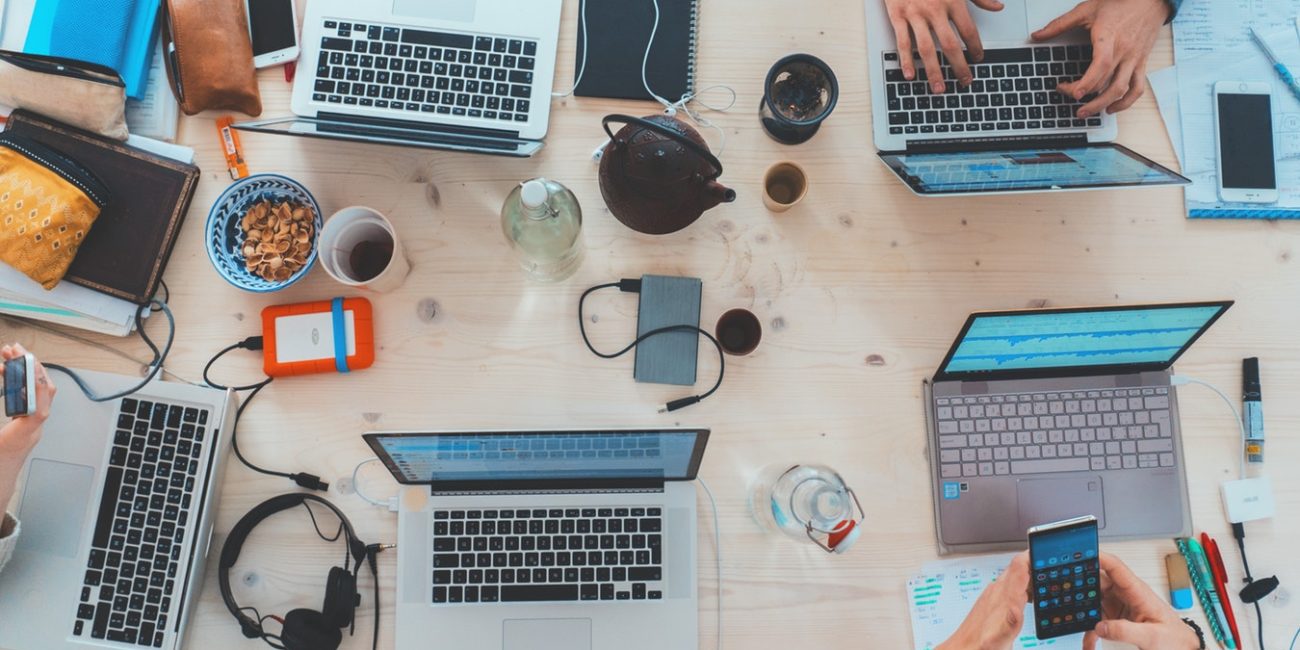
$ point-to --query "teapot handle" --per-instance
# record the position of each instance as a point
(667, 132)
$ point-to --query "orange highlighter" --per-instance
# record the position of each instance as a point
(1221, 579)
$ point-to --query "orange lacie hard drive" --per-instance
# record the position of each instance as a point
(313, 337)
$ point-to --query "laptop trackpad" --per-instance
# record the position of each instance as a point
(54, 506)
(1046, 500)
(547, 634)
(460, 10)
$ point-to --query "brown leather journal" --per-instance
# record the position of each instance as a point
(210, 56)
(126, 252)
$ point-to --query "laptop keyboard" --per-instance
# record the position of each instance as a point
(420, 71)
(1034, 433)
(547, 554)
(1014, 89)
(143, 519)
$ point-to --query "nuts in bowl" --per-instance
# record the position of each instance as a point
(277, 238)
(262, 233)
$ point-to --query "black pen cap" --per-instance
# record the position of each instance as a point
(1250, 378)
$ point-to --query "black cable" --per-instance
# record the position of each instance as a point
(167, 294)
(372, 553)
(1251, 593)
(255, 343)
(155, 365)
(634, 286)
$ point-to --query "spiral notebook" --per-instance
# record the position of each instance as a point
(616, 35)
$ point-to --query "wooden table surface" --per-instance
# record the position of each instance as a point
(860, 289)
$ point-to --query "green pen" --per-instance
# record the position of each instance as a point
(1215, 607)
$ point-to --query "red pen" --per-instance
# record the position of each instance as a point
(1221, 577)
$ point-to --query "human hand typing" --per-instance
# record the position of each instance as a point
(999, 613)
(1123, 33)
(1132, 613)
(919, 24)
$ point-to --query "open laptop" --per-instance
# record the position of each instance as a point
(1041, 415)
(1009, 131)
(465, 75)
(546, 540)
(117, 508)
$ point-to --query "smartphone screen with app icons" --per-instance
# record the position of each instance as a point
(1065, 577)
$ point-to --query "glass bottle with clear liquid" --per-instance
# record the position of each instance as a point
(807, 503)
(543, 223)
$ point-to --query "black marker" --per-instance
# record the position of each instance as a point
(1252, 410)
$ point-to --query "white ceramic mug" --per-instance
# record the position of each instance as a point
(356, 225)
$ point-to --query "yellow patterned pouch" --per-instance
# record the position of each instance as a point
(47, 205)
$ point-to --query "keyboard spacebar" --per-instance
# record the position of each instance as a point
(533, 593)
(1049, 466)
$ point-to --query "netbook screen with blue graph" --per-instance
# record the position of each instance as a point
(1080, 167)
(1143, 337)
(540, 456)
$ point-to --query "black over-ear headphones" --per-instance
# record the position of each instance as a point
(304, 629)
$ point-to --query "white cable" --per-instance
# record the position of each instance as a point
(717, 545)
(682, 104)
(582, 67)
(1178, 380)
(356, 487)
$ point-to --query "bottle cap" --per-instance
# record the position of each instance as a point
(533, 194)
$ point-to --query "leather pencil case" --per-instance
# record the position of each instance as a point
(210, 56)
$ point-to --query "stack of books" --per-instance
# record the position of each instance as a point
(119, 267)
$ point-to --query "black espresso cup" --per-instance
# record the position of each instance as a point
(739, 332)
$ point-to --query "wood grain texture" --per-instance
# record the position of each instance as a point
(860, 289)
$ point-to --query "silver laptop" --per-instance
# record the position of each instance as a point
(546, 540)
(465, 75)
(1042, 415)
(1010, 131)
(117, 507)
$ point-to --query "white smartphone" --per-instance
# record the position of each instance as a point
(1243, 140)
(273, 26)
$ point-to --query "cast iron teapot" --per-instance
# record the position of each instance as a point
(657, 174)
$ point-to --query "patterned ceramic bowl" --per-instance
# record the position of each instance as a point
(225, 238)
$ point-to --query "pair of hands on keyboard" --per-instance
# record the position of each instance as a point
(1122, 32)
(1132, 613)
(20, 435)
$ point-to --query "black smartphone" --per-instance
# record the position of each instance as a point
(1065, 577)
(20, 386)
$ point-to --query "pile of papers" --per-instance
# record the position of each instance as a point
(1212, 43)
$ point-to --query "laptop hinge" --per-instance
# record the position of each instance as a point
(998, 143)
(551, 486)
(409, 125)
(497, 493)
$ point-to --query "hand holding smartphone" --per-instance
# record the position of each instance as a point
(20, 386)
(1065, 577)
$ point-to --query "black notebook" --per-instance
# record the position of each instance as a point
(617, 33)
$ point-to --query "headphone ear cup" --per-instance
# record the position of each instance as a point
(308, 629)
(341, 598)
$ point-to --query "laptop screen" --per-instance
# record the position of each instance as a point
(1124, 338)
(1022, 170)
(416, 458)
